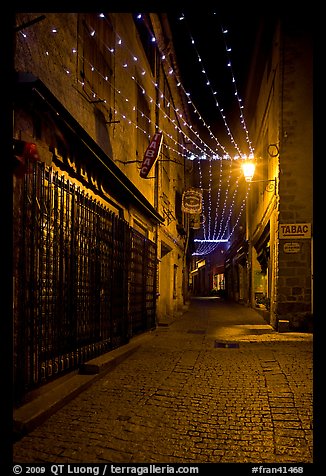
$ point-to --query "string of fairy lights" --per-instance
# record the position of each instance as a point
(216, 222)
(211, 240)
(208, 84)
(203, 150)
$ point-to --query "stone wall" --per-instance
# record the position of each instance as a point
(295, 179)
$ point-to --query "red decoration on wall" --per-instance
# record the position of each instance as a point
(30, 152)
(25, 154)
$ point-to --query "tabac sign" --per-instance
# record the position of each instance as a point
(151, 154)
(295, 230)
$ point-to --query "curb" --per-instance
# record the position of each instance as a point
(55, 395)
(167, 321)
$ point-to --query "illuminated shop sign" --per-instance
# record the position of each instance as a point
(151, 154)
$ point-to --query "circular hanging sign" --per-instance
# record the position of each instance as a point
(192, 201)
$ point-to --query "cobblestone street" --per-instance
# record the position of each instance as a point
(218, 385)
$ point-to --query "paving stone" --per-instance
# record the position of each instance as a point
(178, 398)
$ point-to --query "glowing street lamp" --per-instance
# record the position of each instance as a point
(248, 168)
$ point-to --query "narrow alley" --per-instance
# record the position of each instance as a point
(161, 284)
(218, 385)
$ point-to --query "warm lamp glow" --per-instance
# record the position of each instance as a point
(248, 168)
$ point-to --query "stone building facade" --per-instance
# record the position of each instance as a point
(100, 251)
(277, 259)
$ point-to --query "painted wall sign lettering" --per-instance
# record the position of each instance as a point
(291, 247)
(295, 230)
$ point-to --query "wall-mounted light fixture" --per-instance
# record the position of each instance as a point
(248, 168)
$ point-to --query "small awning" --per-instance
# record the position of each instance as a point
(28, 86)
(262, 240)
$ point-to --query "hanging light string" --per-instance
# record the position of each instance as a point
(218, 198)
(209, 188)
(203, 151)
(203, 201)
(95, 96)
(210, 197)
(208, 83)
(225, 200)
(221, 230)
(190, 127)
(207, 151)
(207, 248)
(226, 154)
(123, 115)
(179, 84)
(204, 249)
(207, 232)
(142, 71)
(227, 221)
(239, 100)
(224, 219)
(112, 50)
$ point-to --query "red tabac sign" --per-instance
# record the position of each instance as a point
(151, 154)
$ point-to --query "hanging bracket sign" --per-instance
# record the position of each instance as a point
(151, 154)
(192, 201)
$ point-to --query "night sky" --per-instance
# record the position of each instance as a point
(205, 28)
(210, 45)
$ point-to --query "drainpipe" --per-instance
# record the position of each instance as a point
(157, 170)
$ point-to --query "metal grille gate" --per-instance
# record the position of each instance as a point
(142, 295)
(84, 280)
